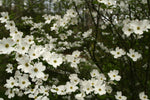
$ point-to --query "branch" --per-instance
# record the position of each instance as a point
(77, 11)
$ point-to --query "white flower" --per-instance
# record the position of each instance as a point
(114, 75)
(137, 26)
(9, 68)
(100, 89)
(15, 31)
(70, 87)
(45, 77)
(101, 77)
(80, 96)
(41, 98)
(142, 96)
(74, 79)
(134, 55)
(11, 82)
(93, 82)
(6, 45)
(76, 53)
(55, 60)
(44, 90)
(54, 89)
(87, 34)
(35, 52)
(31, 90)
(17, 38)
(64, 21)
(61, 90)
(55, 27)
(24, 81)
(10, 93)
(17, 74)
(37, 70)
(108, 89)
(71, 13)
(10, 25)
(29, 39)
(86, 87)
(118, 52)
(48, 19)
(119, 96)
(127, 30)
(94, 73)
(4, 17)
(19, 92)
(22, 47)
(25, 65)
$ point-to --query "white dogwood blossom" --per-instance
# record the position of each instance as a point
(119, 96)
(134, 55)
(143, 96)
(118, 52)
(113, 74)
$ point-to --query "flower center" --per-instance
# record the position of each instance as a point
(16, 32)
(129, 29)
(35, 70)
(12, 83)
(88, 88)
(133, 55)
(71, 87)
(138, 28)
(119, 97)
(118, 53)
(23, 82)
(17, 40)
(5, 17)
(32, 89)
(20, 56)
(75, 80)
(92, 83)
(29, 40)
(56, 89)
(26, 64)
(55, 61)
(99, 89)
(11, 24)
(7, 45)
(23, 48)
(33, 54)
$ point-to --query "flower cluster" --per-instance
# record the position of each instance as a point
(135, 26)
(30, 72)
(96, 85)
(132, 54)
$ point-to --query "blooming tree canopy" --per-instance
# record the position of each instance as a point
(75, 49)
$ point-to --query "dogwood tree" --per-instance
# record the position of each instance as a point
(76, 49)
